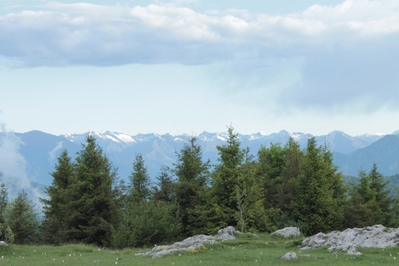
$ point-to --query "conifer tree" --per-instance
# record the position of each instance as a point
(23, 220)
(290, 171)
(192, 178)
(91, 198)
(250, 198)
(225, 180)
(316, 202)
(165, 186)
(139, 181)
(55, 206)
(3, 205)
(370, 202)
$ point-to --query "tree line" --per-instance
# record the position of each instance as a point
(281, 186)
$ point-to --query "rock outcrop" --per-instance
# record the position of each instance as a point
(290, 256)
(376, 236)
(191, 244)
(288, 232)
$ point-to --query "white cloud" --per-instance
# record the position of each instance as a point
(342, 55)
(12, 167)
(68, 34)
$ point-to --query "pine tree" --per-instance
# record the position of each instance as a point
(290, 171)
(92, 199)
(250, 198)
(223, 205)
(370, 202)
(270, 165)
(3, 205)
(192, 178)
(55, 206)
(165, 187)
(139, 181)
(23, 220)
(317, 198)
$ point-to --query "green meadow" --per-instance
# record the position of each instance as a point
(244, 250)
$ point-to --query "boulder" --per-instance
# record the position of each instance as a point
(376, 236)
(352, 251)
(288, 232)
(290, 256)
(191, 243)
(226, 233)
(2, 243)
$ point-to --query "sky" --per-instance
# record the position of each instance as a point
(188, 66)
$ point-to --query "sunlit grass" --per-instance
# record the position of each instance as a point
(245, 250)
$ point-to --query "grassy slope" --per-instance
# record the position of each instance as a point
(245, 250)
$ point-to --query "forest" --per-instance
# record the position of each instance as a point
(281, 186)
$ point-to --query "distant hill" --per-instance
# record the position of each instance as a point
(351, 153)
(384, 152)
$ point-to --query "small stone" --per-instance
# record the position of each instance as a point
(289, 256)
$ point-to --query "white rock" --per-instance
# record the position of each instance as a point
(352, 251)
(2, 243)
(376, 236)
(289, 256)
(191, 243)
(288, 232)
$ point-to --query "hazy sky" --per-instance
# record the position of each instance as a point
(188, 66)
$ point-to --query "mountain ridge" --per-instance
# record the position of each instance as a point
(41, 149)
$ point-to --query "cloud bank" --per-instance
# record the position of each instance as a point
(328, 57)
(12, 167)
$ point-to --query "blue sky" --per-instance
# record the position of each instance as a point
(189, 66)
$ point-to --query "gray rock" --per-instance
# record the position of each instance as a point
(376, 236)
(288, 232)
(191, 243)
(352, 251)
(2, 243)
(290, 256)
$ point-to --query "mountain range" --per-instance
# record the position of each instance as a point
(40, 150)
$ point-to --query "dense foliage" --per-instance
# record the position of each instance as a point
(281, 186)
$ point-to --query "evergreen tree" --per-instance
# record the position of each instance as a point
(91, 202)
(165, 187)
(55, 206)
(225, 181)
(23, 220)
(370, 202)
(290, 171)
(250, 198)
(270, 165)
(3, 205)
(316, 205)
(139, 181)
(192, 178)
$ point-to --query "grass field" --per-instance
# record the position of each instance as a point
(245, 250)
